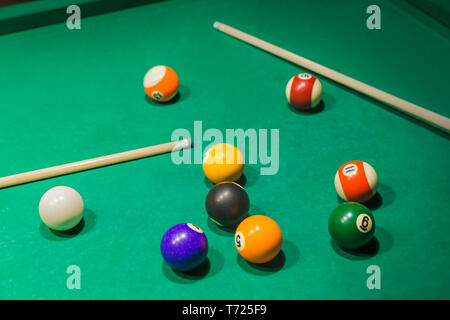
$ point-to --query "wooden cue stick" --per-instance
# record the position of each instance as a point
(359, 86)
(93, 163)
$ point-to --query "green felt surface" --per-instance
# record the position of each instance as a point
(68, 95)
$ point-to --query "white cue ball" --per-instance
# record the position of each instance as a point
(61, 208)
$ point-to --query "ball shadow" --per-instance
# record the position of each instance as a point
(211, 266)
(262, 269)
(208, 183)
(182, 94)
(254, 209)
(217, 261)
(319, 108)
(246, 180)
(249, 177)
(292, 254)
(71, 232)
(220, 230)
(154, 103)
(388, 194)
(330, 100)
(367, 251)
(373, 203)
(186, 276)
(85, 225)
(385, 239)
(198, 273)
(242, 181)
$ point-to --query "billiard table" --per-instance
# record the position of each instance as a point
(74, 94)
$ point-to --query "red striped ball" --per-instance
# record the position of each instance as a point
(304, 91)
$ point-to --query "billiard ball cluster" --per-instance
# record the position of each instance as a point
(257, 238)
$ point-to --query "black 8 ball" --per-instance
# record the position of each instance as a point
(227, 204)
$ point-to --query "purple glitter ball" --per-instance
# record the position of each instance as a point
(184, 246)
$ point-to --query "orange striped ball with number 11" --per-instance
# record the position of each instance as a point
(356, 181)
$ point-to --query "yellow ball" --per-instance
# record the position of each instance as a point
(223, 162)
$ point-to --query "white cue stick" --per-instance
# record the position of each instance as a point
(94, 163)
(359, 86)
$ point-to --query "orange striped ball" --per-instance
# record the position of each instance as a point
(356, 181)
(161, 83)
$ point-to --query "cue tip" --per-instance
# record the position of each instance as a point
(217, 25)
(182, 144)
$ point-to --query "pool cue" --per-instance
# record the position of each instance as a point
(415, 110)
(94, 163)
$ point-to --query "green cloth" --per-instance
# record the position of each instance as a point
(69, 95)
